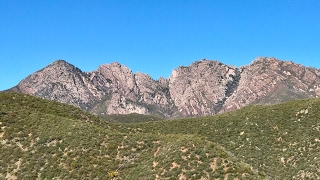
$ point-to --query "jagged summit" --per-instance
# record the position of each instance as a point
(203, 88)
(62, 65)
(265, 59)
(270, 60)
(60, 62)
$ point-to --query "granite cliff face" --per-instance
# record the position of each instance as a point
(61, 82)
(203, 88)
(269, 81)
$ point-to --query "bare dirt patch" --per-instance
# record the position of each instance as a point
(213, 165)
(184, 149)
(11, 176)
(1, 134)
(155, 163)
(140, 142)
(182, 177)
(155, 153)
(52, 143)
(174, 165)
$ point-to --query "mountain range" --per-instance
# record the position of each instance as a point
(205, 87)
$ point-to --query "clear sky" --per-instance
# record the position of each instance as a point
(153, 36)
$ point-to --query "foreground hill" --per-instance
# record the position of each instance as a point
(282, 141)
(203, 88)
(42, 139)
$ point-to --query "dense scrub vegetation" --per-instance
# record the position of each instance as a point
(41, 139)
(280, 141)
(46, 140)
(130, 118)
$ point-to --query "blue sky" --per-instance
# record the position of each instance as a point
(153, 36)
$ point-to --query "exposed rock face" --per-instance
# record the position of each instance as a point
(203, 88)
(269, 81)
(61, 82)
(111, 89)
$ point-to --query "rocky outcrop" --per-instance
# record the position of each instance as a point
(269, 81)
(204, 88)
(111, 89)
(61, 81)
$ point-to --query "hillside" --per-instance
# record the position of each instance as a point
(282, 140)
(46, 139)
(130, 118)
(203, 88)
(42, 139)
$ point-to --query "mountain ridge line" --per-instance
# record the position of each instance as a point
(205, 87)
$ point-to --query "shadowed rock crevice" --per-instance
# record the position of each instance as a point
(231, 86)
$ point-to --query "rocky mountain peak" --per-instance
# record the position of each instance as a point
(60, 62)
(264, 60)
(114, 69)
(269, 80)
(61, 65)
(205, 87)
(202, 87)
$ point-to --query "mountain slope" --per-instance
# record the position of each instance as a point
(60, 81)
(41, 139)
(203, 88)
(280, 140)
(112, 89)
(270, 81)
